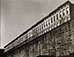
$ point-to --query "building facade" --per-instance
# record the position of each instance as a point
(51, 36)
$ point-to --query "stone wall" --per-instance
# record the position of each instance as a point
(58, 42)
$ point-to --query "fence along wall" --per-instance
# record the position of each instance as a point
(53, 20)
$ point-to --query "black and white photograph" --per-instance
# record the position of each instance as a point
(36, 28)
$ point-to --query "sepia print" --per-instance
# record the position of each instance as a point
(52, 36)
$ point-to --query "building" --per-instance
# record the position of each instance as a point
(51, 36)
(2, 53)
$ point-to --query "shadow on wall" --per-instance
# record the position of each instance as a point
(71, 55)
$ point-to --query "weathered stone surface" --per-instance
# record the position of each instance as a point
(57, 42)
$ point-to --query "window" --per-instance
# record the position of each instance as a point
(60, 15)
(57, 16)
(63, 12)
(67, 10)
(51, 20)
(46, 23)
(38, 29)
(42, 26)
(54, 18)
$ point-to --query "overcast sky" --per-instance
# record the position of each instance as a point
(19, 15)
